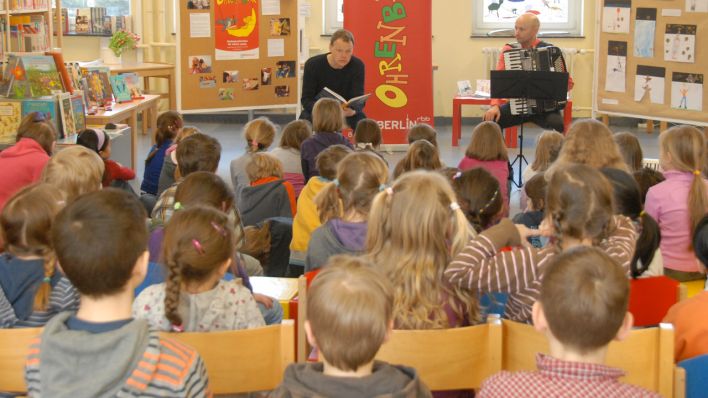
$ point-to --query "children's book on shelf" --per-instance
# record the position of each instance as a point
(67, 115)
(28, 33)
(132, 80)
(120, 89)
(63, 72)
(99, 86)
(329, 93)
(8, 77)
(33, 76)
(78, 108)
(10, 117)
(83, 20)
(47, 106)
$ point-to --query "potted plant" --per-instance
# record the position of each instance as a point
(122, 42)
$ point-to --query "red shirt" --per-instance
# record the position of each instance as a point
(20, 165)
(114, 171)
(558, 378)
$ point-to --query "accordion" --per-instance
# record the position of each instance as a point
(548, 59)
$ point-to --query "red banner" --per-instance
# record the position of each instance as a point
(394, 40)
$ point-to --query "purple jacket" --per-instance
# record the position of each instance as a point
(313, 146)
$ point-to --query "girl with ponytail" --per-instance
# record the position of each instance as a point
(343, 206)
(680, 202)
(198, 249)
(578, 212)
(32, 289)
(259, 135)
(415, 228)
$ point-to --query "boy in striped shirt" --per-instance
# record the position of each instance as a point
(101, 243)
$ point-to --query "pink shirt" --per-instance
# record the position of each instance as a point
(498, 168)
(667, 202)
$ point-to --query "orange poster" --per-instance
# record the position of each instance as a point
(236, 25)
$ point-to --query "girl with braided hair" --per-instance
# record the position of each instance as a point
(198, 249)
(32, 289)
(579, 211)
(479, 197)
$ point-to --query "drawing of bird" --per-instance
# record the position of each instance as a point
(495, 7)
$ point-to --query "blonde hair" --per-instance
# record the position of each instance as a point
(548, 147)
(349, 308)
(75, 171)
(26, 224)
(295, 133)
(360, 176)
(327, 116)
(185, 132)
(589, 142)
(487, 143)
(259, 134)
(263, 165)
(415, 229)
(686, 145)
(421, 154)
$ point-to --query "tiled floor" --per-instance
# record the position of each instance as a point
(233, 145)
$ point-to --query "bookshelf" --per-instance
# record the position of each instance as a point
(26, 27)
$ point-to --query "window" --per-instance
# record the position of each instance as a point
(113, 7)
(558, 17)
(332, 16)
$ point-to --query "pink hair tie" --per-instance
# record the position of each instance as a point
(177, 328)
(389, 191)
(198, 246)
(218, 228)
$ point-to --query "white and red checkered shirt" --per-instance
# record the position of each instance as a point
(558, 378)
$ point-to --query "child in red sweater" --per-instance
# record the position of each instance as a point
(97, 140)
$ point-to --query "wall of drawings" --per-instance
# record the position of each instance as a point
(652, 59)
(237, 54)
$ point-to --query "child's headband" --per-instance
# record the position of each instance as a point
(101, 136)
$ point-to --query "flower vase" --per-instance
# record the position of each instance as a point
(129, 58)
(109, 58)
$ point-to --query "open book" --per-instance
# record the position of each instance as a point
(329, 93)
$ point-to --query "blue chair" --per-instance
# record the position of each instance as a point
(493, 303)
(696, 376)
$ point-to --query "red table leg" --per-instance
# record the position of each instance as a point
(456, 121)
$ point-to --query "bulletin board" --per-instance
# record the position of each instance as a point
(651, 60)
(237, 54)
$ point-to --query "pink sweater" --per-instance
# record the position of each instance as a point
(667, 202)
(498, 168)
(20, 165)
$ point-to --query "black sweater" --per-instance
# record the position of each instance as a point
(347, 82)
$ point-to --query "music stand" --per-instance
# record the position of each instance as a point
(527, 84)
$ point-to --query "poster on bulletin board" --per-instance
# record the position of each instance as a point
(651, 60)
(394, 40)
(237, 54)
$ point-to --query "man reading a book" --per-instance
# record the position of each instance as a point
(525, 31)
(338, 70)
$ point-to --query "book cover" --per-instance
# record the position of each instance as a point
(78, 109)
(83, 20)
(67, 115)
(8, 76)
(42, 75)
(120, 89)
(10, 117)
(132, 80)
(47, 106)
(63, 72)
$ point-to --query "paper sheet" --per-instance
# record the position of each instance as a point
(697, 5)
(649, 84)
(270, 7)
(276, 47)
(199, 25)
(616, 16)
(671, 12)
(644, 31)
(680, 43)
(615, 78)
(687, 91)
